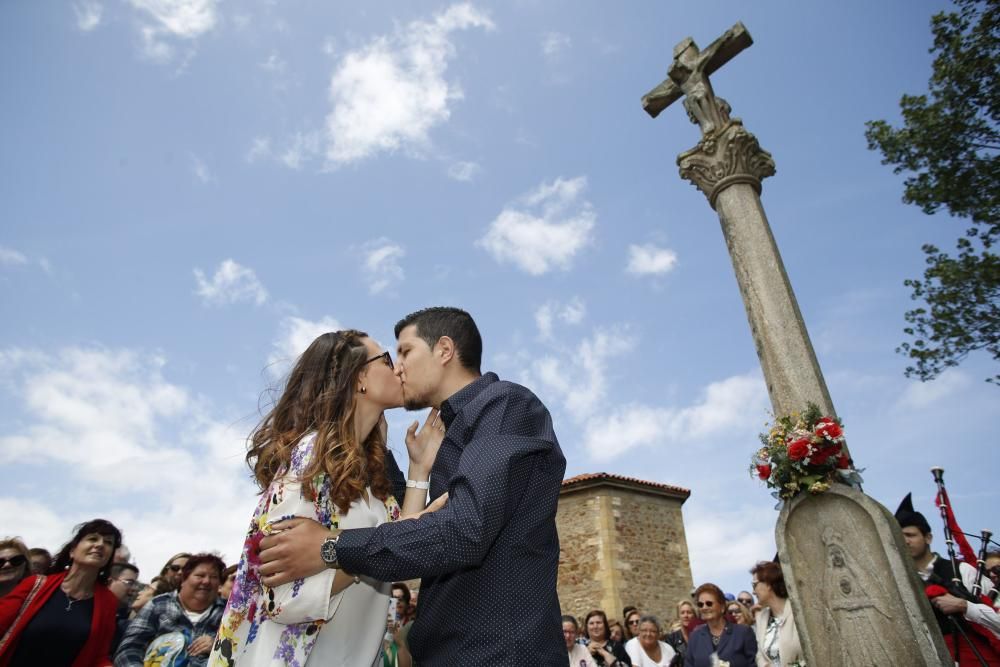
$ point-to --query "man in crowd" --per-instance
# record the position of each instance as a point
(122, 555)
(41, 560)
(195, 607)
(968, 626)
(122, 581)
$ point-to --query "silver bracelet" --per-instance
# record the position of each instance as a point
(414, 484)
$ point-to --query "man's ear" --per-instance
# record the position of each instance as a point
(445, 349)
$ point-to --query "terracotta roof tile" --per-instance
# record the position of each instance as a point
(597, 476)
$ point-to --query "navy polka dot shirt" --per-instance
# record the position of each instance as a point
(488, 559)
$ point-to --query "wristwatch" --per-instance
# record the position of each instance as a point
(328, 552)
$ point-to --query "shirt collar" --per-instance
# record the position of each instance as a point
(454, 404)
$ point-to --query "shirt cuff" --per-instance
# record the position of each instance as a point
(352, 550)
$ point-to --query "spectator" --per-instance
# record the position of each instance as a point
(66, 617)
(686, 621)
(397, 653)
(123, 555)
(993, 568)
(777, 639)
(646, 649)
(718, 639)
(401, 592)
(170, 575)
(745, 598)
(632, 624)
(738, 614)
(14, 566)
(195, 608)
(604, 652)
(143, 596)
(228, 579)
(122, 582)
(578, 654)
(41, 560)
(616, 632)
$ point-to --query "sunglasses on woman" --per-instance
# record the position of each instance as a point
(707, 603)
(14, 561)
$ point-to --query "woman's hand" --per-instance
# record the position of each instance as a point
(438, 503)
(423, 445)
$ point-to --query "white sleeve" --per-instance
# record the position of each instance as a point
(968, 573)
(985, 616)
(302, 600)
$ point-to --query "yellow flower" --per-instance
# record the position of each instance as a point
(819, 487)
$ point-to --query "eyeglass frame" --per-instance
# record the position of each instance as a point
(5, 561)
(706, 603)
(384, 355)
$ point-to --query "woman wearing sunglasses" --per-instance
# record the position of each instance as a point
(321, 453)
(718, 639)
(14, 565)
(65, 618)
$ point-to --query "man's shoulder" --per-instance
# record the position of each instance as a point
(505, 391)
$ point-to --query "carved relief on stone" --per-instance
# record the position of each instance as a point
(731, 155)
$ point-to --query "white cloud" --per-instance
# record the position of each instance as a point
(88, 14)
(389, 94)
(274, 63)
(381, 266)
(725, 405)
(554, 43)
(122, 439)
(232, 283)
(920, 395)
(296, 334)
(545, 229)
(166, 21)
(650, 259)
(303, 146)
(570, 313)
(201, 170)
(744, 532)
(260, 148)
(463, 171)
(11, 257)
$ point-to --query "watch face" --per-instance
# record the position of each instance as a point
(328, 552)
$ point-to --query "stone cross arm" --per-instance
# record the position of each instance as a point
(691, 67)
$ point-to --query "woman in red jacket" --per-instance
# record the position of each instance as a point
(65, 618)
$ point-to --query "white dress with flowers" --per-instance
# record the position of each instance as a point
(299, 623)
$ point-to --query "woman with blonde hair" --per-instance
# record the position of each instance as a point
(738, 614)
(15, 564)
(680, 629)
(321, 454)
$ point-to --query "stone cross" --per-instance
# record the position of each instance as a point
(853, 587)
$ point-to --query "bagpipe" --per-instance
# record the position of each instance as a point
(953, 582)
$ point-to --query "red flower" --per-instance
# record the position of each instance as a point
(798, 449)
(823, 454)
(843, 462)
(253, 550)
(764, 471)
(827, 428)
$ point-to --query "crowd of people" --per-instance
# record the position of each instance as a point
(86, 605)
(743, 630)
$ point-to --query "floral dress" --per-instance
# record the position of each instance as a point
(280, 626)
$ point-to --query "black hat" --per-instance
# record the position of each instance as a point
(907, 516)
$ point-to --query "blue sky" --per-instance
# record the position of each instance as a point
(191, 189)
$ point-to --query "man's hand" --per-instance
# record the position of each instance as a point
(292, 553)
(423, 445)
(201, 645)
(949, 604)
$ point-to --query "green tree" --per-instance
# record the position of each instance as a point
(949, 146)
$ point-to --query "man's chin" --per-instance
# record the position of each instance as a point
(413, 404)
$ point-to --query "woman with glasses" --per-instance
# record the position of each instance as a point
(321, 453)
(777, 639)
(170, 574)
(718, 639)
(632, 624)
(738, 614)
(66, 617)
(14, 564)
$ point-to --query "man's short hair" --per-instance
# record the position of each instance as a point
(118, 568)
(400, 586)
(571, 619)
(456, 324)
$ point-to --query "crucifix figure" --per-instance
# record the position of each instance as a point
(688, 78)
(728, 166)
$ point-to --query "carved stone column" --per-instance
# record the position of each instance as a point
(728, 167)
